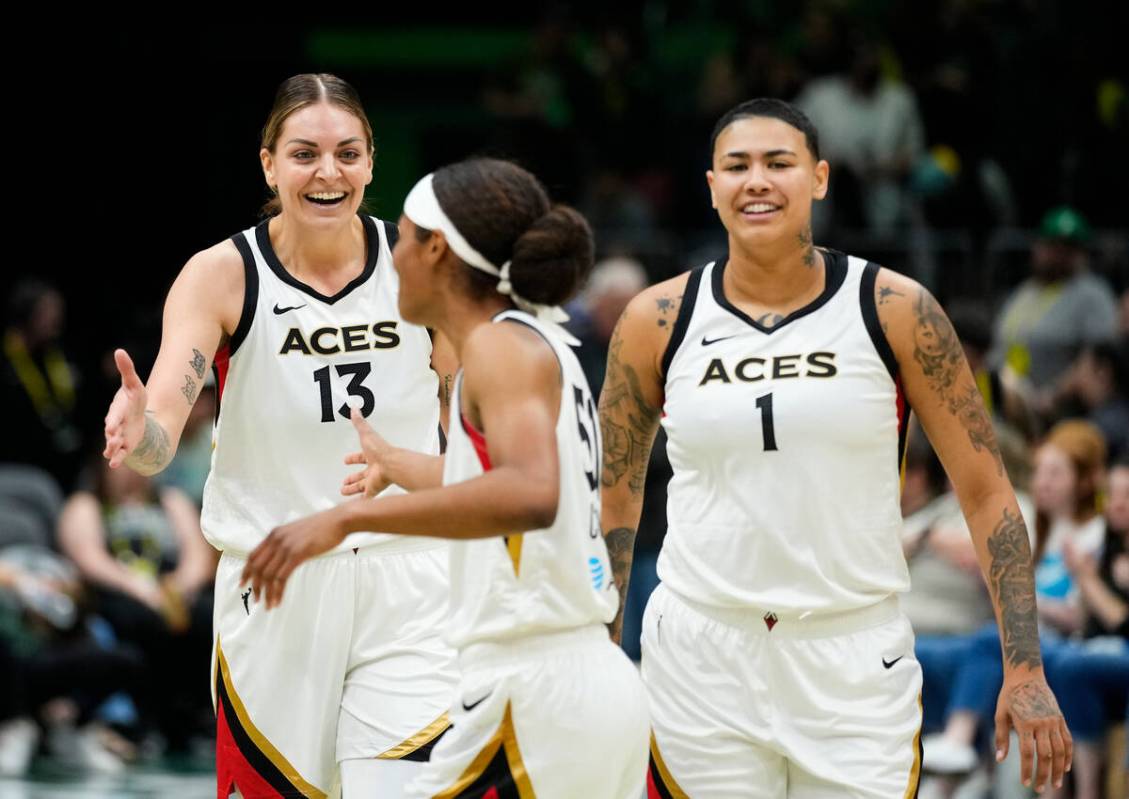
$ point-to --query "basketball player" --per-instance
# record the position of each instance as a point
(298, 317)
(774, 653)
(547, 705)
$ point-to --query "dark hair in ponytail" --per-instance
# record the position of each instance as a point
(504, 212)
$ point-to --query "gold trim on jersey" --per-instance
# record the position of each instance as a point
(672, 787)
(266, 747)
(915, 771)
(421, 738)
(513, 545)
(506, 738)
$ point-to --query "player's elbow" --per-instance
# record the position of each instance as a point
(537, 508)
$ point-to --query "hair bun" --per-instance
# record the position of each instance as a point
(552, 259)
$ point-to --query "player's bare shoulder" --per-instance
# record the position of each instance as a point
(213, 281)
(900, 301)
(648, 321)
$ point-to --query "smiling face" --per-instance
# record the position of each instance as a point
(320, 164)
(763, 181)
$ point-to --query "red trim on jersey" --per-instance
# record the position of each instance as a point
(479, 441)
(232, 768)
(221, 363)
(491, 794)
(903, 422)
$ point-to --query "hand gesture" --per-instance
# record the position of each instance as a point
(125, 421)
(1028, 705)
(271, 563)
(371, 480)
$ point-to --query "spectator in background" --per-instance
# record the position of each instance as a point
(1005, 393)
(142, 550)
(1049, 317)
(614, 282)
(1091, 680)
(871, 130)
(37, 384)
(1099, 383)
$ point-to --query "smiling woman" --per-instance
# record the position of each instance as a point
(784, 386)
(298, 316)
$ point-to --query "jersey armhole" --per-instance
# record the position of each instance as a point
(682, 321)
(391, 233)
(870, 318)
(250, 293)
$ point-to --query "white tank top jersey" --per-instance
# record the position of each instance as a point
(285, 382)
(545, 580)
(786, 445)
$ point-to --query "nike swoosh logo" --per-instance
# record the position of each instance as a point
(707, 341)
(888, 664)
(278, 310)
(473, 705)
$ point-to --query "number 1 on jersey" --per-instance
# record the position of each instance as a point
(767, 428)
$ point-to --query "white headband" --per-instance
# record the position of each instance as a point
(422, 207)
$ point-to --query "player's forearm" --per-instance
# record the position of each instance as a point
(414, 471)
(155, 450)
(504, 501)
(1004, 550)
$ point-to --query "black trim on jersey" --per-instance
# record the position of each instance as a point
(685, 311)
(254, 756)
(372, 245)
(835, 272)
(657, 778)
(250, 293)
(870, 317)
(391, 233)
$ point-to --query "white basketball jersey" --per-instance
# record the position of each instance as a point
(285, 382)
(544, 580)
(786, 445)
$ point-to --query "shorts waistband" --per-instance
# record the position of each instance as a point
(798, 625)
(401, 545)
(487, 653)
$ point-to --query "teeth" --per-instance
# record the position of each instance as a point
(326, 195)
(758, 208)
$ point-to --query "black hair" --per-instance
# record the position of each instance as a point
(504, 212)
(769, 107)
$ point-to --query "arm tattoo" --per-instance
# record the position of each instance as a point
(1011, 580)
(809, 251)
(668, 309)
(152, 453)
(884, 294)
(447, 390)
(189, 389)
(938, 351)
(197, 363)
(621, 550)
(627, 422)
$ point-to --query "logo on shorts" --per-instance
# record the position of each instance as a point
(246, 596)
(596, 569)
(770, 620)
